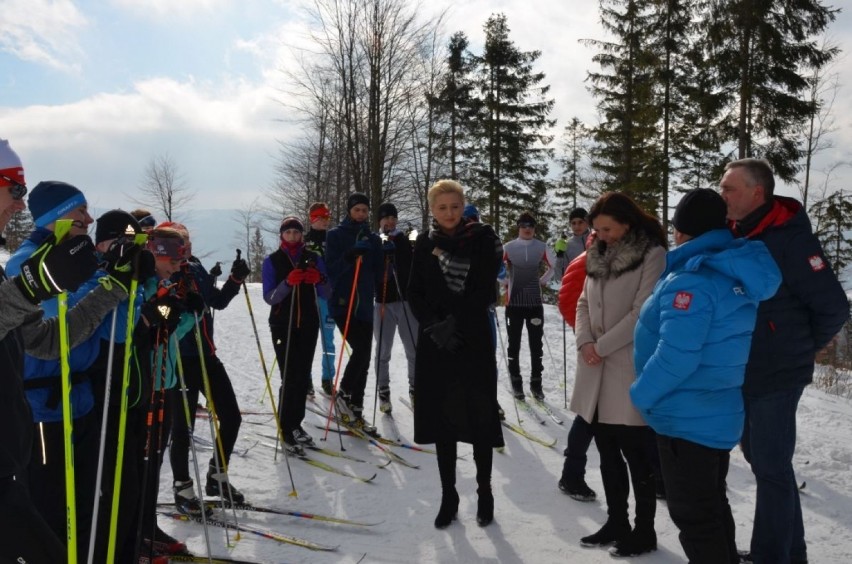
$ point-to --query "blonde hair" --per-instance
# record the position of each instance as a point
(444, 186)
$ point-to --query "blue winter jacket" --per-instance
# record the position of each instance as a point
(341, 269)
(691, 343)
(41, 392)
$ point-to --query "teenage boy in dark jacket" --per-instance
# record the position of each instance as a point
(348, 244)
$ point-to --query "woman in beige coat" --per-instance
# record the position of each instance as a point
(622, 268)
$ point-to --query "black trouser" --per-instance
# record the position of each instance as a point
(46, 476)
(128, 505)
(695, 478)
(360, 339)
(295, 354)
(24, 534)
(447, 453)
(151, 452)
(224, 400)
(579, 439)
(533, 318)
(613, 442)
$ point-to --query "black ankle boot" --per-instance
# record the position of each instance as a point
(448, 510)
(484, 507)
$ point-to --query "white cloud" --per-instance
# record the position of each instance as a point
(43, 32)
(238, 110)
(166, 9)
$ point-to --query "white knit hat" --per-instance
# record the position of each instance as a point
(10, 164)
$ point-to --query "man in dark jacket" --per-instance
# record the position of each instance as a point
(351, 249)
(801, 318)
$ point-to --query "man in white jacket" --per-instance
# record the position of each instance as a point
(529, 265)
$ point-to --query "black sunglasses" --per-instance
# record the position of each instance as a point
(17, 189)
(526, 224)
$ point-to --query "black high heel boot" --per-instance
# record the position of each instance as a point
(484, 506)
(449, 509)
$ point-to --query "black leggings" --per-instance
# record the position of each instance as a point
(360, 339)
(224, 400)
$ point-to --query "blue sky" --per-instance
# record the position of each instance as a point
(92, 91)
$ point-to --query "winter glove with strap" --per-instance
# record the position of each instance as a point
(56, 267)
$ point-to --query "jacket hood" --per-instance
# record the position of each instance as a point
(746, 261)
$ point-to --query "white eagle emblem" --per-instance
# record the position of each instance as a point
(682, 300)
(816, 263)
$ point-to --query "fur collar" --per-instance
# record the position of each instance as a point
(611, 261)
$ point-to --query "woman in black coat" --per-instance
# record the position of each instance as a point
(451, 287)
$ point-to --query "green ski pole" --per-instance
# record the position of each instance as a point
(63, 227)
(139, 239)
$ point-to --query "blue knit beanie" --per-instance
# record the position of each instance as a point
(51, 199)
(470, 212)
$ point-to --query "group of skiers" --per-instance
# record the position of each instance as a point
(115, 389)
(681, 355)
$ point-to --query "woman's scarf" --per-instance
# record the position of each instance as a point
(453, 251)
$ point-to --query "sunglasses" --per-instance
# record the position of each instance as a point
(17, 189)
(525, 224)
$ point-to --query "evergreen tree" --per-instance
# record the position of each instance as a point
(457, 106)
(19, 228)
(627, 150)
(764, 51)
(832, 217)
(512, 125)
(257, 254)
(573, 186)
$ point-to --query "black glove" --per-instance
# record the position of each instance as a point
(240, 270)
(119, 258)
(444, 334)
(388, 247)
(147, 265)
(54, 268)
(163, 311)
(216, 271)
(194, 302)
(361, 248)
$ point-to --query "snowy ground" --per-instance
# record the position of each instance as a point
(534, 522)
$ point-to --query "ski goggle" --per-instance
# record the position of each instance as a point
(525, 224)
(167, 248)
(17, 189)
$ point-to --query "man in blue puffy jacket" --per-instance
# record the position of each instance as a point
(691, 348)
(801, 318)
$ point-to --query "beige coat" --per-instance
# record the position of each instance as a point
(617, 284)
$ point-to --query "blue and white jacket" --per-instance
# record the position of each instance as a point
(692, 340)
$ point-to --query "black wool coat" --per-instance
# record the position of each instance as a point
(455, 394)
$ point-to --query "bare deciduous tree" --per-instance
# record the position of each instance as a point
(162, 187)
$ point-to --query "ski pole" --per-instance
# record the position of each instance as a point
(139, 239)
(381, 333)
(294, 291)
(189, 428)
(63, 227)
(221, 464)
(564, 369)
(358, 262)
(293, 492)
(324, 351)
(505, 359)
(102, 448)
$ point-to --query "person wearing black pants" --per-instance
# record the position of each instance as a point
(695, 477)
(352, 246)
(691, 345)
(293, 281)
